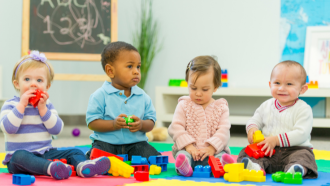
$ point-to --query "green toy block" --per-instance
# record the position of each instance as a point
(128, 162)
(287, 177)
(175, 82)
(129, 119)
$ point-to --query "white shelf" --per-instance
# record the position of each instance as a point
(167, 99)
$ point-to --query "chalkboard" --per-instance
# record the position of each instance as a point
(69, 29)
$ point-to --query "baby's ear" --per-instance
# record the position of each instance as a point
(16, 85)
(304, 88)
(109, 70)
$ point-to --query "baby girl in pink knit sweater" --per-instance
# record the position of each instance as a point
(200, 125)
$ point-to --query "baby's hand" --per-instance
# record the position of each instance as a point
(24, 100)
(191, 149)
(136, 125)
(250, 134)
(120, 122)
(269, 143)
(207, 151)
(42, 104)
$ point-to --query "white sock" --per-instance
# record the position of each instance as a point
(296, 168)
(248, 164)
(48, 169)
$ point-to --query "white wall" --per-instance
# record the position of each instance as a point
(244, 35)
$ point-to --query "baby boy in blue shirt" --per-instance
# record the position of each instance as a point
(117, 99)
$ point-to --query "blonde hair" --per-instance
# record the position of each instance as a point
(289, 63)
(31, 63)
(201, 65)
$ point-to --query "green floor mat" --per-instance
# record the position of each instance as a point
(3, 170)
(159, 146)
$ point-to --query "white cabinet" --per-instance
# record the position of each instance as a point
(242, 103)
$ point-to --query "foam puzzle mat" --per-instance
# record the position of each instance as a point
(170, 177)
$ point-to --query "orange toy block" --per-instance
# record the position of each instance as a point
(119, 168)
(258, 137)
(313, 84)
(236, 173)
(96, 153)
(216, 167)
(254, 151)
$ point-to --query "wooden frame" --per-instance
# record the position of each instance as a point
(65, 56)
(317, 55)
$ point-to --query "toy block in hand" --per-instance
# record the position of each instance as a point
(258, 137)
(35, 100)
(255, 151)
(287, 177)
(216, 167)
(96, 153)
(119, 168)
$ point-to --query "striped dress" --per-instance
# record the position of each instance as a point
(28, 131)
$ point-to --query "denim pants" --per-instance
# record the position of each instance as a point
(25, 162)
(141, 148)
(195, 163)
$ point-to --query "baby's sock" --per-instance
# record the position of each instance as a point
(59, 170)
(90, 168)
(297, 168)
(182, 164)
(226, 158)
(248, 164)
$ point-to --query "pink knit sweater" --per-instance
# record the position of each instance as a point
(192, 124)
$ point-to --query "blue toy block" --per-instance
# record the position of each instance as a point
(224, 71)
(307, 79)
(23, 179)
(155, 160)
(138, 160)
(202, 172)
(224, 85)
(125, 156)
(163, 166)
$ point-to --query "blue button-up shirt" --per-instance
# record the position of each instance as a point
(107, 103)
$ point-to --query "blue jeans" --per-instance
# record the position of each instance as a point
(141, 148)
(25, 162)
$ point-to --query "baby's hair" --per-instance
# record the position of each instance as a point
(201, 65)
(31, 63)
(111, 51)
(289, 63)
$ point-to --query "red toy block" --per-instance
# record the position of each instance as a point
(73, 172)
(64, 161)
(216, 167)
(35, 100)
(224, 76)
(144, 168)
(56, 160)
(254, 151)
(141, 176)
(96, 153)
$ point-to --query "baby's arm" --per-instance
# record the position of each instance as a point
(10, 118)
(52, 121)
(255, 123)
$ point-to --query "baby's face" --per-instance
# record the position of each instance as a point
(32, 78)
(126, 70)
(286, 84)
(201, 91)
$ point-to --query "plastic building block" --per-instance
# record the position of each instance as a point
(141, 168)
(175, 82)
(22, 179)
(35, 100)
(287, 177)
(216, 167)
(128, 162)
(202, 172)
(224, 71)
(129, 119)
(119, 168)
(64, 161)
(163, 166)
(124, 156)
(183, 84)
(224, 85)
(141, 176)
(254, 151)
(258, 137)
(74, 173)
(236, 173)
(158, 160)
(138, 160)
(155, 170)
(313, 84)
(96, 153)
(224, 76)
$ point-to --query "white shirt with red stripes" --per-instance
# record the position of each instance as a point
(292, 124)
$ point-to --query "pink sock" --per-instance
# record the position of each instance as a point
(182, 164)
(226, 159)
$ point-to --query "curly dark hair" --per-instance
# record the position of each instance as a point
(111, 51)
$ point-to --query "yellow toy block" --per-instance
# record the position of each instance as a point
(120, 168)
(258, 137)
(253, 175)
(313, 84)
(234, 167)
(183, 84)
(224, 80)
(154, 169)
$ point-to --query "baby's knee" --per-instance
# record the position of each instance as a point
(19, 155)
